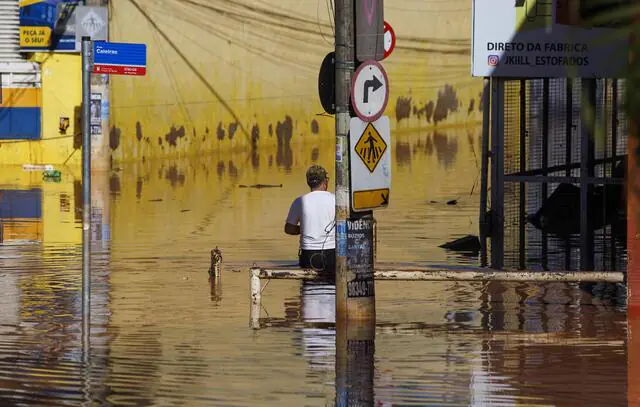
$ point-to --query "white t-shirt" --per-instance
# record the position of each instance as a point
(315, 211)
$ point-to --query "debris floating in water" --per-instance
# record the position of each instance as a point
(260, 186)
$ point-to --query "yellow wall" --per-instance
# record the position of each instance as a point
(61, 97)
(257, 62)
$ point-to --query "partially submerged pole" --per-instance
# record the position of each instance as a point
(587, 135)
(86, 194)
(215, 275)
(445, 274)
(485, 221)
(255, 298)
(355, 367)
(348, 307)
(497, 173)
(344, 70)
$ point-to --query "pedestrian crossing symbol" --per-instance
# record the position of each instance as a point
(370, 147)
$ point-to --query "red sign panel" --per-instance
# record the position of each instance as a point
(120, 70)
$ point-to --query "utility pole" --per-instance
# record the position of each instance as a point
(355, 316)
(345, 54)
(347, 308)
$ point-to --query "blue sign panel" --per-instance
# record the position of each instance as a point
(119, 58)
(48, 25)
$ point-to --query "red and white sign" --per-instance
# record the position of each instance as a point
(120, 70)
(369, 91)
(389, 40)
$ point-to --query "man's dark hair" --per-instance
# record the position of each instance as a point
(316, 176)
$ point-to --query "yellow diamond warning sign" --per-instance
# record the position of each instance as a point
(370, 147)
(370, 163)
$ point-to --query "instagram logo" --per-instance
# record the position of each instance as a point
(493, 60)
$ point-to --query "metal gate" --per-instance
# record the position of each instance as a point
(558, 163)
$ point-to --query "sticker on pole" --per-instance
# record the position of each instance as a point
(370, 91)
(117, 58)
(389, 40)
(370, 155)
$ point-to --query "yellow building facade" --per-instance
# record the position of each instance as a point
(238, 76)
(41, 94)
(244, 74)
(59, 97)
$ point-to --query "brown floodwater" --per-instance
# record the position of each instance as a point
(163, 335)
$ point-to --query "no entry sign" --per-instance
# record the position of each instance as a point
(369, 91)
(389, 40)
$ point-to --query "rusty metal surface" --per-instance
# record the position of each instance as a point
(435, 274)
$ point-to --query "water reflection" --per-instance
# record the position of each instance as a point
(504, 342)
(164, 333)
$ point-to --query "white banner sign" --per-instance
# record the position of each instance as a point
(544, 38)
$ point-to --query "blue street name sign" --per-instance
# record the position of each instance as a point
(118, 58)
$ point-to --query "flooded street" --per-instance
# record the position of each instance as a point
(163, 335)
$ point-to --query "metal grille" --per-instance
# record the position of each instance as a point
(544, 183)
(9, 31)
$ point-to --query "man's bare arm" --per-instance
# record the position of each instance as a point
(291, 229)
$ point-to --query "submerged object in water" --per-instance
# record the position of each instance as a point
(469, 243)
(560, 214)
(216, 261)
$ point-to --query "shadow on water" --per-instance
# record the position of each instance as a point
(164, 333)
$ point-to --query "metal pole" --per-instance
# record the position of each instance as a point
(497, 173)
(451, 274)
(256, 298)
(87, 45)
(545, 164)
(588, 107)
(484, 166)
(567, 155)
(614, 155)
(523, 167)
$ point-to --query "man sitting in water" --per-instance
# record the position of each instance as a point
(312, 217)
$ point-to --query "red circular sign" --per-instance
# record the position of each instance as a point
(392, 45)
(365, 80)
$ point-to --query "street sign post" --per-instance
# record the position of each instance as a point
(389, 40)
(117, 58)
(370, 157)
(369, 30)
(370, 91)
(103, 58)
